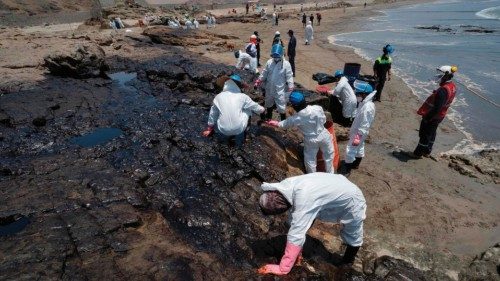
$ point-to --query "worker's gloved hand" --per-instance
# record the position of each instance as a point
(274, 123)
(321, 89)
(292, 253)
(290, 89)
(357, 139)
(257, 83)
(208, 131)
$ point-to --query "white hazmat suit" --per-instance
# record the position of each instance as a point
(361, 125)
(231, 110)
(246, 61)
(309, 33)
(328, 197)
(347, 97)
(310, 121)
(276, 78)
(196, 24)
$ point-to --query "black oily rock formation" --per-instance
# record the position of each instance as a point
(486, 266)
(157, 201)
(83, 61)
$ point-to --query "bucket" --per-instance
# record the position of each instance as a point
(320, 163)
(351, 71)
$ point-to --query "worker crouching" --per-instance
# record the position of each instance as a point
(231, 111)
(310, 119)
(327, 197)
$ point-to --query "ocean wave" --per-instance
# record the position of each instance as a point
(490, 13)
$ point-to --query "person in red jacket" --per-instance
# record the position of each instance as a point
(434, 110)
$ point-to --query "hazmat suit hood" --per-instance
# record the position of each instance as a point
(230, 86)
(286, 190)
(368, 99)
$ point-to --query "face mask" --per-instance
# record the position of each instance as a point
(276, 60)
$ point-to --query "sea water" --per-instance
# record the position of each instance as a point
(429, 35)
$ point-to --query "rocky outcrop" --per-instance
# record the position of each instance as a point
(484, 165)
(485, 267)
(181, 37)
(83, 61)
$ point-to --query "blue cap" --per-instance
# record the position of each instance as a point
(363, 88)
(339, 73)
(277, 51)
(235, 78)
(296, 98)
(388, 49)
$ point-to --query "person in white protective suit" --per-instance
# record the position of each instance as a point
(309, 33)
(360, 128)
(323, 196)
(310, 119)
(251, 49)
(188, 24)
(245, 61)
(231, 111)
(345, 94)
(277, 77)
(196, 24)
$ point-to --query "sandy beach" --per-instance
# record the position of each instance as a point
(428, 212)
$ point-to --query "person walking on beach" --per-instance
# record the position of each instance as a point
(277, 18)
(292, 43)
(360, 128)
(324, 196)
(311, 19)
(304, 20)
(231, 111)
(277, 39)
(259, 41)
(318, 17)
(277, 78)
(309, 33)
(434, 110)
(274, 19)
(301, 7)
(310, 119)
(382, 70)
(247, 8)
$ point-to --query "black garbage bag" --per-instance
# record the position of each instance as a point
(323, 78)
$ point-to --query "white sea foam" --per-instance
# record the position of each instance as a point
(490, 13)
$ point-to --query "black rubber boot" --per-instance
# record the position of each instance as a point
(283, 116)
(346, 169)
(269, 113)
(349, 254)
(356, 162)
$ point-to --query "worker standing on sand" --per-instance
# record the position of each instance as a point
(304, 20)
(309, 33)
(310, 119)
(292, 43)
(434, 110)
(360, 128)
(231, 111)
(318, 17)
(274, 18)
(247, 8)
(245, 61)
(323, 196)
(345, 94)
(277, 78)
(311, 18)
(251, 49)
(382, 70)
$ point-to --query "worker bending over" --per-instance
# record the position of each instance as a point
(277, 77)
(310, 119)
(345, 94)
(327, 197)
(231, 110)
(360, 128)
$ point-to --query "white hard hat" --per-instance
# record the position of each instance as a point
(277, 33)
(253, 36)
(448, 68)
